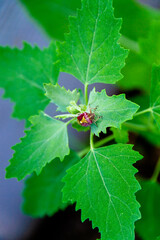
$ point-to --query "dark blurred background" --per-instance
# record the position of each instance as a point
(16, 27)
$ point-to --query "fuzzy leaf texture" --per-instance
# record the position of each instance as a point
(42, 194)
(22, 74)
(91, 52)
(96, 183)
(46, 140)
(60, 96)
(148, 226)
(113, 111)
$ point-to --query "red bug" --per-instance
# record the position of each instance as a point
(86, 119)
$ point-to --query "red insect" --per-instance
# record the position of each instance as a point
(86, 119)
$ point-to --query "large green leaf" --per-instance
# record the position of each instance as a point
(52, 14)
(155, 95)
(60, 96)
(42, 194)
(148, 227)
(22, 74)
(91, 52)
(113, 111)
(46, 140)
(96, 184)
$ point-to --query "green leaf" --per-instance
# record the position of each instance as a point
(42, 194)
(92, 53)
(46, 140)
(155, 95)
(96, 184)
(113, 111)
(60, 96)
(120, 135)
(141, 78)
(52, 15)
(144, 124)
(22, 74)
(137, 18)
(158, 238)
(148, 227)
(149, 47)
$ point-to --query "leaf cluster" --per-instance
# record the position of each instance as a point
(101, 180)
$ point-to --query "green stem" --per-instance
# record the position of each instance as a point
(86, 93)
(156, 172)
(91, 141)
(70, 121)
(129, 44)
(142, 112)
(96, 145)
(104, 141)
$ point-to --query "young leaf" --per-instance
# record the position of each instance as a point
(96, 184)
(155, 95)
(148, 227)
(42, 194)
(46, 140)
(120, 135)
(113, 111)
(60, 96)
(52, 14)
(91, 52)
(22, 74)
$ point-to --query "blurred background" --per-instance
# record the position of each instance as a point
(16, 27)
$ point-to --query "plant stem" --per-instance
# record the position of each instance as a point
(104, 141)
(156, 172)
(142, 112)
(134, 126)
(91, 141)
(96, 145)
(86, 93)
(129, 44)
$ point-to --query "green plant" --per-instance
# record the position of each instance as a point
(100, 178)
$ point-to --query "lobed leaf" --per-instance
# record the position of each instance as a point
(60, 96)
(91, 52)
(22, 74)
(96, 183)
(42, 194)
(113, 111)
(46, 140)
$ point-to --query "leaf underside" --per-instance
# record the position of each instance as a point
(60, 96)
